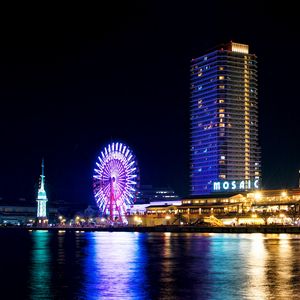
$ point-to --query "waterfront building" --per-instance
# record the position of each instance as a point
(263, 206)
(163, 195)
(42, 199)
(22, 212)
(254, 207)
(149, 195)
(225, 155)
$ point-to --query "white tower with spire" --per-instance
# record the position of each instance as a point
(42, 197)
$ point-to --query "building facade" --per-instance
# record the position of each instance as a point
(263, 207)
(22, 212)
(149, 195)
(163, 195)
(225, 153)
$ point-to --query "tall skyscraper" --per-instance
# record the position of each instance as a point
(42, 199)
(225, 154)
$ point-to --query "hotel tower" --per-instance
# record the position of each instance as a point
(225, 155)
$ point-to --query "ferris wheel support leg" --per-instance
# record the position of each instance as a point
(105, 208)
(111, 211)
(112, 200)
(120, 215)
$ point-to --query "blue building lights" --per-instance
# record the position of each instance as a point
(224, 118)
(42, 197)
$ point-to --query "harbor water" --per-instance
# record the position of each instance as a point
(130, 265)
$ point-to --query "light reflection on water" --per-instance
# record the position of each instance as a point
(256, 262)
(40, 265)
(113, 266)
(120, 265)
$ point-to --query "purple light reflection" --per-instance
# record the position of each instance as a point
(114, 266)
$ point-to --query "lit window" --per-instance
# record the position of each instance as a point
(221, 77)
(221, 68)
(221, 115)
(205, 58)
(223, 176)
(221, 110)
(199, 74)
(222, 156)
(221, 125)
(221, 101)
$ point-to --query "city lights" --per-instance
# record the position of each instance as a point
(257, 195)
(284, 194)
(138, 220)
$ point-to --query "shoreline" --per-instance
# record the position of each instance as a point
(173, 229)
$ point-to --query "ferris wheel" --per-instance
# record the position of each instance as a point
(115, 181)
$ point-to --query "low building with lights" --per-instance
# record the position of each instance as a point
(254, 208)
(151, 196)
(21, 212)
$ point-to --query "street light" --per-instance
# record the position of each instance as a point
(138, 220)
(257, 196)
(283, 194)
(77, 218)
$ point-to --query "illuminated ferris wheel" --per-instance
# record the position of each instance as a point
(115, 181)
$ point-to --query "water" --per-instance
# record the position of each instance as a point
(123, 265)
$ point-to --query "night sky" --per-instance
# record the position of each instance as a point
(75, 78)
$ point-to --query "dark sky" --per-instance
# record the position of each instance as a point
(73, 78)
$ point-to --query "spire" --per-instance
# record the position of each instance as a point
(42, 177)
(43, 167)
